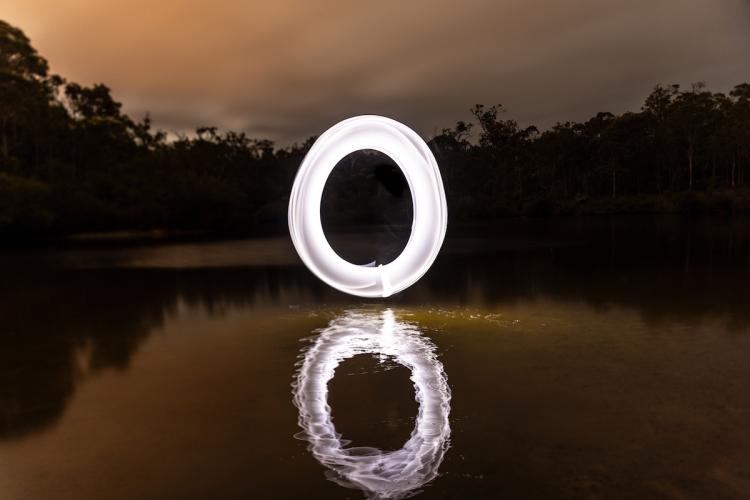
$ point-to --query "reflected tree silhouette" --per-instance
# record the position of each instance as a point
(61, 325)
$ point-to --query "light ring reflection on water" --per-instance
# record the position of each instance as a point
(407, 149)
(393, 474)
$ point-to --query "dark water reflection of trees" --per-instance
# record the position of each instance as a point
(676, 272)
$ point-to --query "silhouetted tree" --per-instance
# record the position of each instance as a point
(71, 160)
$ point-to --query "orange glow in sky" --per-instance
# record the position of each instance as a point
(290, 69)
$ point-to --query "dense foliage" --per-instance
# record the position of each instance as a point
(71, 160)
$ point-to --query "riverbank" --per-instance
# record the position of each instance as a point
(719, 202)
(725, 202)
(271, 220)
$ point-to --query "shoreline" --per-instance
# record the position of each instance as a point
(683, 206)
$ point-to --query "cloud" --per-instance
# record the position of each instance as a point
(289, 69)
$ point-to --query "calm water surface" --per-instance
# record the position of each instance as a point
(562, 358)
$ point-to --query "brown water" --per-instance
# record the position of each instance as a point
(567, 358)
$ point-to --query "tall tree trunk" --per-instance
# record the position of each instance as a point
(729, 246)
(658, 178)
(688, 247)
(672, 176)
(741, 176)
(5, 137)
(36, 152)
(734, 169)
(713, 173)
(614, 180)
(690, 166)
(74, 153)
(505, 180)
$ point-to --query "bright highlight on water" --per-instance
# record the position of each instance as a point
(393, 474)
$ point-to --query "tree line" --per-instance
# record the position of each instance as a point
(72, 161)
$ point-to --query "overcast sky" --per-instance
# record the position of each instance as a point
(288, 69)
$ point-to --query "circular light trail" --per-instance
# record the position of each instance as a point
(392, 474)
(411, 154)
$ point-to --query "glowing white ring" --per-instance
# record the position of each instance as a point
(415, 159)
(391, 474)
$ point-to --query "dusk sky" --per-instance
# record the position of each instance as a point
(287, 70)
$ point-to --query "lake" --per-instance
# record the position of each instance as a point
(588, 357)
